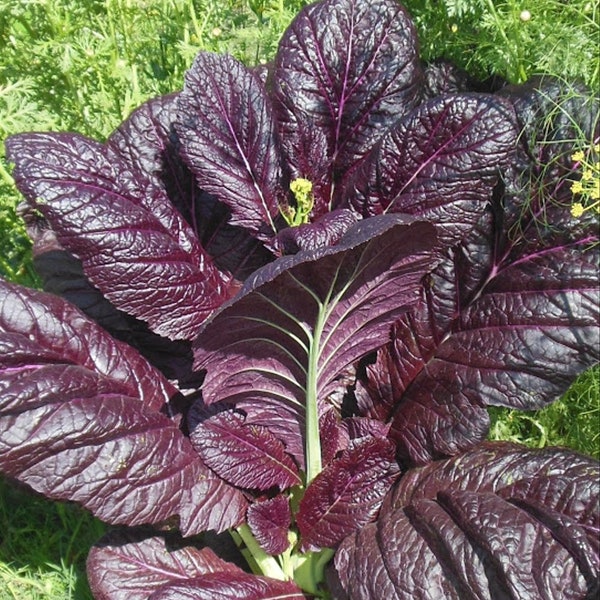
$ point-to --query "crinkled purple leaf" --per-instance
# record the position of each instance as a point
(325, 231)
(80, 421)
(510, 318)
(245, 455)
(347, 494)
(553, 113)
(148, 143)
(345, 71)
(62, 274)
(143, 141)
(229, 140)
(270, 520)
(440, 163)
(134, 246)
(228, 586)
(453, 530)
(334, 436)
(300, 320)
(132, 565)
(443, 77)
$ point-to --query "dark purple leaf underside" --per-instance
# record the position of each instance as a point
(134, 246)
(269, 521)
(347, 494)
(80, 421)
(131, 566)
(228, 139)
(345, 72)
(453, 530)
(440, 163)
(245, 455)
(337, 302)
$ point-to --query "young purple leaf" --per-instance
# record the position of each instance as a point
(345, 71)
(134, 246)
(228, 140)
(453, 530)
(299, 321)
(270, 520)
(347, 494)
(245, 455)
(80, 421)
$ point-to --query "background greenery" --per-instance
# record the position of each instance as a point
(84, 66)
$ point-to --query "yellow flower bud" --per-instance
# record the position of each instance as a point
(577, 210)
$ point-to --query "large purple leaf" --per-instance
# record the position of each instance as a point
(227, 586)
(347, 494)
(455, 530)
(134, 246)
(146, 141)
(345, 72)
(82, 419)
(440, 162)
(277, 348)
(132, 565)
(510, 318)
(229, 141)
(62, 274)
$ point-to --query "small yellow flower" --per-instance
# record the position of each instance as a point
(577, 156)
(595, 191)
(576, 187)
(454, 28)
(577, 209)
(587, 175)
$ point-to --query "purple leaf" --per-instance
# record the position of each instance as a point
(510, 318)
(80, 421)
(230, 586)
(269, 521)
(62, 274)
(132, 243)
(333, 304)
(228, 139)
(452, 530)
(143, 140)
(347, 494)
(325, 231)
(440, 163)
(345, 72)
(334, 436)
(131, 566)
(245, 455)
(147, 142)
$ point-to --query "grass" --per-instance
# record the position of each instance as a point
(43, 547)
(68, 65)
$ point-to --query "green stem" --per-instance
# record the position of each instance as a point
(313, 440)
(259, 561)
